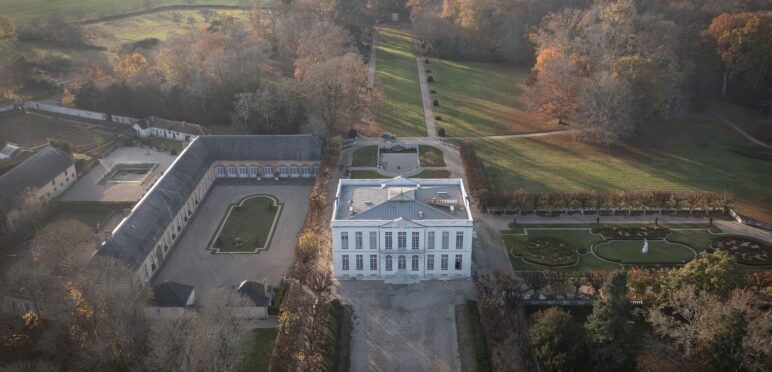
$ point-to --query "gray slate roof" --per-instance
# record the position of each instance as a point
(400, 199)
(172, 294)
(136, 236)
(177, 126)
(34, 172)
(255, 292)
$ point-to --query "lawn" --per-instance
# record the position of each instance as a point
(365, 174)
(629, 251)
(433, 173)
(159, 25)
(750, 120)
(479, 99)
(401, 111)
(252, 221)
(431, 156)
(365, 157)
(258, 355)
(25, 10)
(685, 155)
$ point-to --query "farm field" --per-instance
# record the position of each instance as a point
(24, 10)
(401, 111)
(694, 154)
(33, 129)
(480, 99)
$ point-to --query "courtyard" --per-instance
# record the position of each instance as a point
(123, 175)
(192, 263)
(405, 327)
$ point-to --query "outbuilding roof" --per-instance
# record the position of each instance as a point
(259, 294)
(36, 171)
(177, 126)
(172, 294)
(136, 236)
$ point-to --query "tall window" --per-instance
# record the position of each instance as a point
(430, 262)
(268, 171)
(444, 262)
(358, 240)
(388, 263)
(360, 262)
(294, 171)
(305, 172)
(459, 259)
(345, 261)
(253, 171)
(401, 263)
(220, 171)
(445, 240)
(373, 240)
(388, 240)
(459, 240)
(414, 263)
(231, 171)
(242, 171)
(344, 240)
(401, 240)
(282, 171)
(414, 240)
(373, 262)
(430, 240)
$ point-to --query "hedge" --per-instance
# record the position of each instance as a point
(522, 200)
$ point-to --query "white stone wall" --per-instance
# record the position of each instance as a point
(383, 253)
(65, 110)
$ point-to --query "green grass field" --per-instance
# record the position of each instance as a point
(478, 99)
(365, 157)
(159, 25)
(629, 251)
(695, 154)
(260, 347)
(401, 111)
(431, 156)
(25, 10)
(252, 222)
(433, 173)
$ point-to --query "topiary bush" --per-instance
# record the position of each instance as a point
(441, 132)
(436, 103)
(434, 91)
(430, 79)
(438, 118)
(617, 232)
(426, 61)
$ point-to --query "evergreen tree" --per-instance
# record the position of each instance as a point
(609, 328)
(557, 340)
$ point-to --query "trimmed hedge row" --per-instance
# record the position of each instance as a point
(522, 200)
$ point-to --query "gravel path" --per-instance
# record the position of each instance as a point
(739, 130)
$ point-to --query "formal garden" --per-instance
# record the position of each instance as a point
(610, 247)
(248, 226)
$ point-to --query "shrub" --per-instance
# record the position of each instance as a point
(352, 133)
(428, 71)
(441, 132)
(433, 91)
(635, 233)
(438, 118)
(478, 184)
(436, 103)
(426, 61)
(430, 79)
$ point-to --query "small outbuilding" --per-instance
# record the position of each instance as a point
(171, 300)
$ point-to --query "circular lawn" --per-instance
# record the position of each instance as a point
(629, 252)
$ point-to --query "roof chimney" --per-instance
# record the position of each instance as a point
(452, 208)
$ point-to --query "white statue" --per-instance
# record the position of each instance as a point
(645, 246)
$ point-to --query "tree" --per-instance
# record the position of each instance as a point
(605, 110)
(714, 273)
(557, 340)
(609, 328)
(7, 27)
(554, 93)
(336, 89)
(63, 247)
(743, 42)
(713, 333)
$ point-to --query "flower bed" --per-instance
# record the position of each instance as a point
(637, 233)
(746, 251)
(548, 252)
